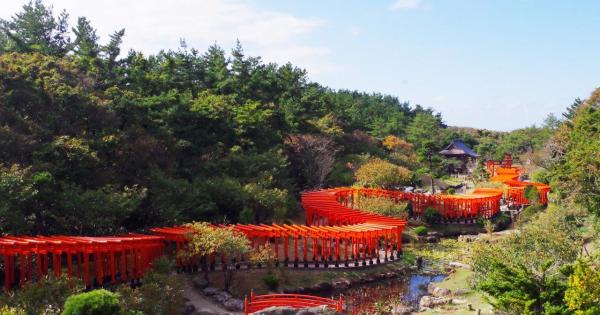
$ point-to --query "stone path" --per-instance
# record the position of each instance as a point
(203, 304)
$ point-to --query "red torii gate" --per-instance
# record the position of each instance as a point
(127, 257)
(336, 232)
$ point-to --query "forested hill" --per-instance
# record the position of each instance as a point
(94, 140)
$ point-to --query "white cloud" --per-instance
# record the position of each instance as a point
(404, 5)
(152, 25)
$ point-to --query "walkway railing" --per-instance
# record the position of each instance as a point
(260, 302)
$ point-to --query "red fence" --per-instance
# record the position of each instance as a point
(260, 302)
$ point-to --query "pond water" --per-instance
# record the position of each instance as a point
(407, 290)
(417, 287)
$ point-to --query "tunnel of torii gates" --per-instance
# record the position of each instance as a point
(336, 233)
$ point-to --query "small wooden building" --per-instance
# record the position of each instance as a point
(466, 158)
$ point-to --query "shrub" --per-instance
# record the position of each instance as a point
(384, 206)
(529, 212)
(47, 298)
(532, 194)
(271, 281)
(378, 173)
(160, 293)
(431, 215)
(97, 302)
(421, 230)
(5, 310)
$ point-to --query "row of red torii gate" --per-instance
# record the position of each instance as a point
(337, 233)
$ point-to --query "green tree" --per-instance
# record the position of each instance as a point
(525, 273)
(205, 239)
(583, 292)
(575, 150)
(36, 29)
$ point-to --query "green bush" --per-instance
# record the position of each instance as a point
(47, 298)
(160, 293)
(532, 194)
(421, 230)
(97, 302)
(529, 212)
(5, 310)
(271, 281)
(431, 215)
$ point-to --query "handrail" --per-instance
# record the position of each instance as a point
(256, 303)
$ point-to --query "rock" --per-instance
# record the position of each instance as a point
(222, 296)
(459, 301)
(200, 283)
(431, 239)
(278, 310)
(210, 291)
(313, 311)
(341, 283)
(207, 313)
(437, 291)
(436, 234)
(402, 310)
(460, 292)
(390, 275)
(431, 301)
(368, 279)
(467, 238)
(380, 276)
(320, 287)
(234, 305)
(189, 309)
(457, 264)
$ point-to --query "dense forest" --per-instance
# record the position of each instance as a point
(95, 140)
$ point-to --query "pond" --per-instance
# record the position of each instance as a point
(363, 299)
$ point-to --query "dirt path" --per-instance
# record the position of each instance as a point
(202, 303)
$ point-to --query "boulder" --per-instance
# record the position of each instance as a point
(431, 239)
(437, 291)
(457, 264)
(234, 305)
(278, 310)
(221, 296)
(210, 291)
(402, 310)
(208, 313)
(189, 309)
(436, 234)
(199, 283)
(313, 311)
(428, 301)
(321, 287)
(341, 283)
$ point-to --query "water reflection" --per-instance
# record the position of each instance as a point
(361, 300)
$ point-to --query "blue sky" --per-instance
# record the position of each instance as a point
(489, 64)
